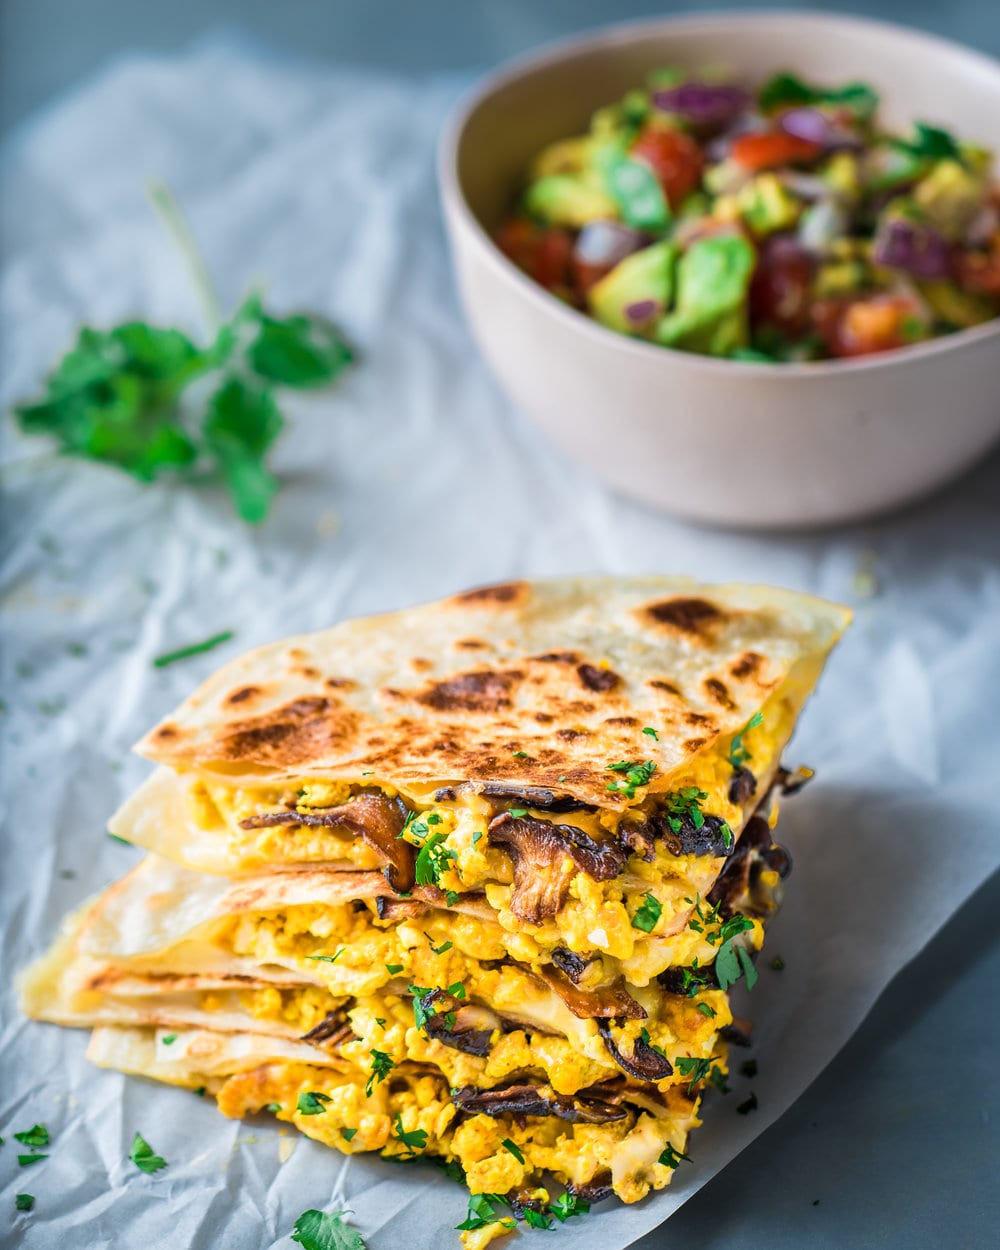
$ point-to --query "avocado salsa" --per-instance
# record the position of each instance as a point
(781, 225)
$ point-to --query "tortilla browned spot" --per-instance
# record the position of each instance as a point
(480, 691)
(471, 644)
(599, 679)
(690, 616)
(668, 686)
(556, 657)
(717, 690)
(291, 733)
(505, 593)
(241, 696)
(747, 664)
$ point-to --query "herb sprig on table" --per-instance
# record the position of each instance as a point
(125, 395)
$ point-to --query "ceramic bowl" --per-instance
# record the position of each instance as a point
(714, 440)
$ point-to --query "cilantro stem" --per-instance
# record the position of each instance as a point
(196, 648)
(176, 225)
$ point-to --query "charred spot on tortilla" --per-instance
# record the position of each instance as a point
(483, 690)
(718, 692)
(657, 683)
(472, 644)
(556, 657)
(420, 664)
(339, 683)
(693, 618)
(243, 694)
(599, 680)
(747, 665)
(289, 734)
(504, 594)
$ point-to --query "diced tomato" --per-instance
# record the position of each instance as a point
(979, 271)
(780, 290)
(873, 323)
(770, 151)
(543, 252)
(674, 157)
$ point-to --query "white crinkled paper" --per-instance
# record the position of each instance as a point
(413, 479)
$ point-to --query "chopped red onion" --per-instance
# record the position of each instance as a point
(913, 247)
(816, 127)
(707, 108)
(642, 312)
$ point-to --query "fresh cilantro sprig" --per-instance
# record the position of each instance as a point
(672, 1158)
(122, 396)
(322, 1230)
(635, 774)
(648, 914)
(24, 1202)
(311, 1102)
(413, 1139)
(382, 1065)
(144, 1157)
(483, 1210)
(738, 754)
(785, 90)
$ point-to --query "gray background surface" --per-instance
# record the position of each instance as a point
(896, 1144)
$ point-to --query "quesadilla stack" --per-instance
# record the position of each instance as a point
(470, 881)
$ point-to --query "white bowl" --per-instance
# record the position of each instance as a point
(714, 440)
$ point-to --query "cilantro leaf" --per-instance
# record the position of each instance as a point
(536, 1219)
(734, 961)
(738, 754)
(240, 425)
(513, 1149)
(35, 1137)
(786, 89)
(413, 1139)
(648, 914)
(298, 351)
(348, 1133)
(311, 1102)
(672, 1158)
(320, 1230)
(382, 1065)
(24, 1202)
(432, 860)
(635, 775)
(929, 143)
(483, 1211)
(568, 1204)
(392, 969)
(143, 1156)
(25, 1161)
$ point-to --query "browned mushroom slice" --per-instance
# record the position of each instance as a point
(740, 1032)
(539, 797)
(375, 817)
(595, 1190)
(791, 780)
(682, 836)
(331, 1030)
(545, 857)
(739, 887)
(462, 1026)
(688, 980)
(607, 1001)
(742, 787)
(399, 908)
(570, 962)
(644, 1063)
(536, 1100)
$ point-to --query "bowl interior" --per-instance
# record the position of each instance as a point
(553, 94)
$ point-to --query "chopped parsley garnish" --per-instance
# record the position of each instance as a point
(24, 1202)
(696, 1070)
(476, 836)
(685, 804)
(414, 1139)
(732, 961)
(312, 1103)
(392, 969)
(651, 732)
(706, 1009)
(144, 1157)
(648, 914)
(635, 775)
(432, 859)
(451, 1169)
(25, 1161)
(438, 950)
(749, 1067)
(513, 1149)
(672, 1158)
(433, 819)
(35, 1137)
(517, 812)
(195, 648)
(115, 838)
(568, 1204)
(328, 959)
(320, 1230)
(380, 1022)
(348, 1133)
(382, 1065)
(520, 755)
(778, 964)
(536, 1219)
(451, 898)
(424, 1011)
(200, 1091)
(738, 754)
(483, 1210)
(717, 1078)
(169, 1039)
(273, 1107)
(750, 1105)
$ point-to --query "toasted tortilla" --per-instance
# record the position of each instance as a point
(544, 683)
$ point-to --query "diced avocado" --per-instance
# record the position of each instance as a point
(697, 204)
(567, 156)
(713, 279)
(959, 308)
(888, 165)
(644, 277)
(976, 158)
(568, 200)
(949, 197)
(726, 178)
(766, 205)
(843, 175)
(845, 277)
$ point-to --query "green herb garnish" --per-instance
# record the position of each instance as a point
(483, 1211)
(778, 964)
(536, 1219)
(651, 733)
(784, 90)
(35, 1137)
(312, 1103)
(438, 950)
(648, 914)
(685, 804)
(738, 754)
(672, 1158)
(328, 959)
(25, 1161)
(24, 1202)
(635, 775)
(512, 1148)
(413, 1140)
(746, 1107)
(348, 1133)
(568, 1204)
(382, 1065)
(392, 969)
(143, 1156)
(169, 1039)
(195, 648)
(319, 1230)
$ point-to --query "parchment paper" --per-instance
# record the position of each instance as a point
(414, 479)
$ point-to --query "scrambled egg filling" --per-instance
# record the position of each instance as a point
(368, 970)
(411, 1114)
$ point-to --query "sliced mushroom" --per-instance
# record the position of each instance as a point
(545, 857)
(712, 837)
(460, 1025)
(740, 1032)
(399, 908)
(644, 1063)
(539, 797)
(739, 887)
(374, 816)
(536, 1100)
(332, 1029)
(687, 981)
(791, 781)
(595, 1190)
(570, 962)
(607, 1001)
(742, 787)
(640, 839)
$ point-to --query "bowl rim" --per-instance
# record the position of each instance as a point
(555, 51)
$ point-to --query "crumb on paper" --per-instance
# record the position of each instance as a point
(286, 1148)
(327, 524)
(865, 582)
